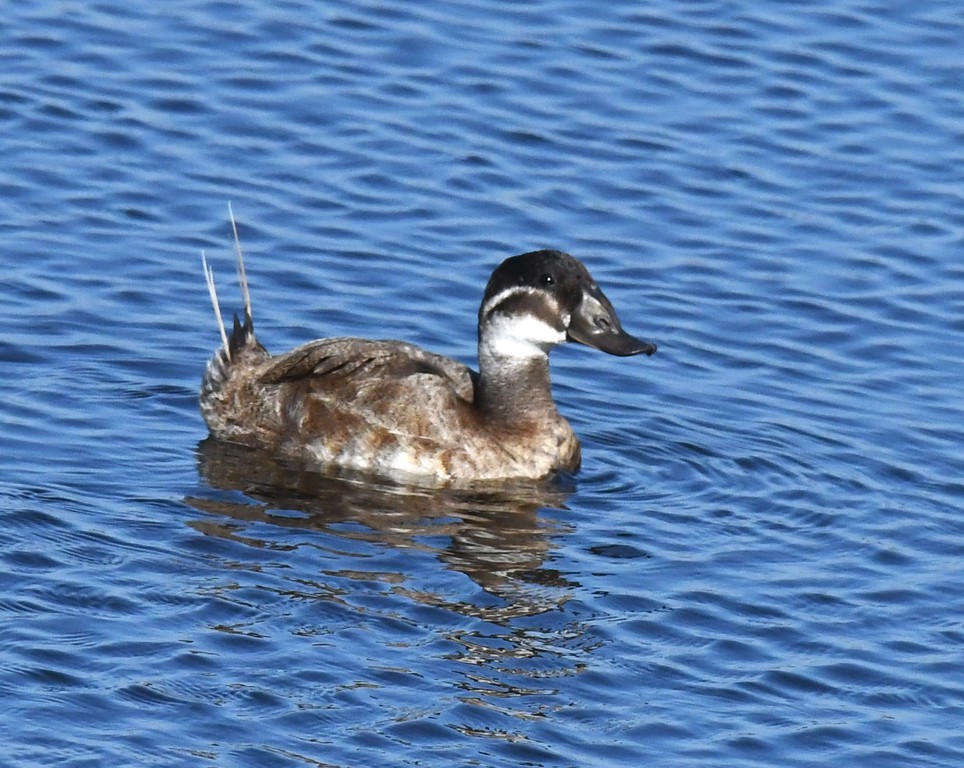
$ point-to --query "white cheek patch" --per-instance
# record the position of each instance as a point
(521, 336)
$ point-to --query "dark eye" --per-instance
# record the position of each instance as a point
(547, 280)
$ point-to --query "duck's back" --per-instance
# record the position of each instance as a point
(343, 365)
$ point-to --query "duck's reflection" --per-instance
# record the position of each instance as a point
(494, 535)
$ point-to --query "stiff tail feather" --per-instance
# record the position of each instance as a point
(213, 293)
(242, 333)
(242, 275)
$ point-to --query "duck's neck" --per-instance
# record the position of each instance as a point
(514, 389)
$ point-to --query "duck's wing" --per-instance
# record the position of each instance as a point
(348, 362)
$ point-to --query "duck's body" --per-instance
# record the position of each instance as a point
(395, 409)
(382, 406)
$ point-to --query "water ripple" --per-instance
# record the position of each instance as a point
(760, 561)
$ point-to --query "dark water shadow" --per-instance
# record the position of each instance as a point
(493, 534)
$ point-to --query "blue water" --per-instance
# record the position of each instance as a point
(761, 563)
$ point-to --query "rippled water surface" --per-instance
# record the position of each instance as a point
(762, 560)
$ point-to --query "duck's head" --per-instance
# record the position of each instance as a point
(538, 300)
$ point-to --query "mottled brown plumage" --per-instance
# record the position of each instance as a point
(398, 410)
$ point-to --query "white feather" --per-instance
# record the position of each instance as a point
(515, 290)
(520, 336)
(242, 275)
(213, 293)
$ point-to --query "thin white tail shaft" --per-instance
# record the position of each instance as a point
(242, 275)
(242, 279)
(213, 293)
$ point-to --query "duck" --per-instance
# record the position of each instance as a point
(396, 410)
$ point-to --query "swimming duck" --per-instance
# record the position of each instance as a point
(395, 409)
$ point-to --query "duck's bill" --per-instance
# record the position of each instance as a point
(620, 343)
(596, 325)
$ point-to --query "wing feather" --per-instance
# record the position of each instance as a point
(358, 362)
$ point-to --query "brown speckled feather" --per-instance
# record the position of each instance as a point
(348, 360)
(388, 406)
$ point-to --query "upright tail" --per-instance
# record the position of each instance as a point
(241, 338)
